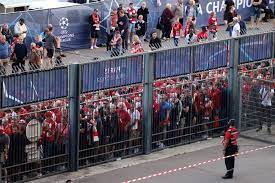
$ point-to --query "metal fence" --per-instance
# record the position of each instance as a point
(189, 108)
(110, 125)
(38, 140)
(257, 104)
(126, 106)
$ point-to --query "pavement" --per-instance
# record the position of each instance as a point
(251, 167)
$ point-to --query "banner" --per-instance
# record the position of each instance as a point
(255, 48)
(210, 56)
(112, 73)
(33, 87)
(173, 63)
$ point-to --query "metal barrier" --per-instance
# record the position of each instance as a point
(25, 88)
(186, 110)
(103, 92)
(38, 136)
(257, 119)
(110, 125)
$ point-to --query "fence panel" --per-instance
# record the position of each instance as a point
(173, 63)
(256, 47)
(24, 88)
(210, 56)
(110, 125)
(38, 136)
(186, 111)
(112, 73)
(257, 119)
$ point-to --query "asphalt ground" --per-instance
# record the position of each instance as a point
(251, 167)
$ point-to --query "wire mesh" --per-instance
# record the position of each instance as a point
(110, 125)
(189, 108)
(38, 140)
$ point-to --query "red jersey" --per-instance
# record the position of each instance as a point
(216, 98)
(48, 130)
(213, 24)
(132, 13)
(231, 134)
(124, 119)
(202, 36)
(114, 19)
(187, 28)
(176, 30)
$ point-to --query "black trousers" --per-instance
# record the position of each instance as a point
(230, 162)
(266, 116)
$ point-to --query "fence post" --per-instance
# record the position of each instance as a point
(234, 85)
(74, 111)
(273, 45)
(148, 75)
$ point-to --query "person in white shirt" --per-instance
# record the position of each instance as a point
(135, 118)
(236, 31)
(266, 94)
(20, 28)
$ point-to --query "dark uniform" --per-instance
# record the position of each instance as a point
(230, 148)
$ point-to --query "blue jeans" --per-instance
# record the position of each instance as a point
(176, 41)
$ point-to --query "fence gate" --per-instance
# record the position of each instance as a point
(258, 107)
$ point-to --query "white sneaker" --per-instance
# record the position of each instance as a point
(92, 48)
(95, 47)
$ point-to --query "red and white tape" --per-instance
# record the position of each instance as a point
(195, 165)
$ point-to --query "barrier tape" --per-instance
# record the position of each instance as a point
(195, 165)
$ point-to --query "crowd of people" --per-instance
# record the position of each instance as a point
(14, 50)
(185, 109)
(258, 95)
(127, 30)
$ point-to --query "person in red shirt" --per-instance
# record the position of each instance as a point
(47, 138)
(176, 31)
(213, 25)
(230, 148)
(203, 35)
(132, 15)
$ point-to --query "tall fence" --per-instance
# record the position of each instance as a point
(124, 106)
(257, 102)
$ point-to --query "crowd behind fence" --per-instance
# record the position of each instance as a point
(190, 102)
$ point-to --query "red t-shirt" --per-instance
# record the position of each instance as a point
(176, 30)
(213, 24)
(132, 14)
(232, 134)
(124, 119)
(216, 97)
(48, 132)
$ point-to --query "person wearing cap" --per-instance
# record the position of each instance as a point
(230, 148)
(95, 23)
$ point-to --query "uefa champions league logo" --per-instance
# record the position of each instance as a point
(64, 23)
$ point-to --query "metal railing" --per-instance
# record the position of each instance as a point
(140, 81)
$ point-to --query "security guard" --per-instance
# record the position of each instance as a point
(230, 148)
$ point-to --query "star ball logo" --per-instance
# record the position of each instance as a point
(64, 23)
(65, 34)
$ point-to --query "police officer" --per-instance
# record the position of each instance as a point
(230, 148)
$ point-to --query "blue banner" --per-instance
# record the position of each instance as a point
(255, 48)
(112, 73)
(210, 56)
(33, 87)
(173, 63)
